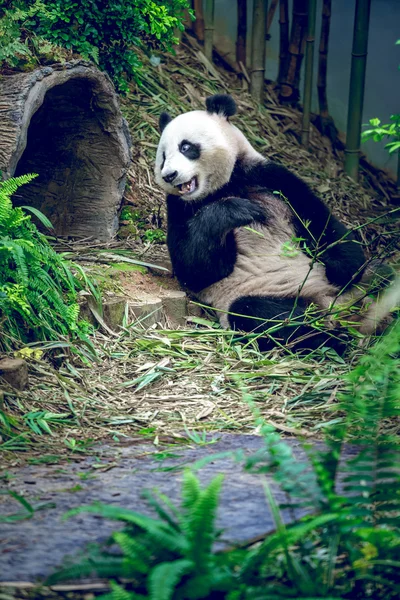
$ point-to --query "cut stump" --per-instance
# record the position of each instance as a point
(146, 312)
(15, 372)
(175, 308)
(64, 123)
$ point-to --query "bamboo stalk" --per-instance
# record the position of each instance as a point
(323, 59)
(209, 28)
(357, 85)
(289, 91)
(241, 32)
(258, 50)
(198, 25)
(283, 38)
(308, 77)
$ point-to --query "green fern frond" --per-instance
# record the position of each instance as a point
(199, 521)
(119, 593)
(373, 480)
(134, 550)
(164, 578)
(190, 490)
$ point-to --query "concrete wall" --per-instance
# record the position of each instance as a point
(382, 92)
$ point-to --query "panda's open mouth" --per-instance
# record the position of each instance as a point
(189, 186)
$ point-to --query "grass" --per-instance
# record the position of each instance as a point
(155, 384)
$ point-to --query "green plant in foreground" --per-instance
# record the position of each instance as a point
(346, 547)
(38, 292)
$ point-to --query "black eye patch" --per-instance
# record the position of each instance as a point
(191, 151)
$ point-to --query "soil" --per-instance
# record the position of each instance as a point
(139, 285)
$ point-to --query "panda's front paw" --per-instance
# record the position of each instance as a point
(247, 211)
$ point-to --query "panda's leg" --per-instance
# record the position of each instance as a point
(257, 314)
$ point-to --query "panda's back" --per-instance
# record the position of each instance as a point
(270, 263)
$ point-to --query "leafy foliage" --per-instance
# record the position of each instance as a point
(390, 131)
(379, 131)
(38, 292)
(106, 33)
(346, 547)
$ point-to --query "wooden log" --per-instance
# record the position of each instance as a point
(64, 123)
(15, 372)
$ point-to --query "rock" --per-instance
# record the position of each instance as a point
(146, 312)
(15, 372)
(114, 312)
(175, 308)
(64, 122)
(128, 230)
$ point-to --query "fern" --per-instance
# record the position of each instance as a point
(373, 480)
(164, 578)
(38, 291)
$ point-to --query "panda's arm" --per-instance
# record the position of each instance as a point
(203, 247)
(345, 260)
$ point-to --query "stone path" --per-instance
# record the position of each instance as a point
(31, 549)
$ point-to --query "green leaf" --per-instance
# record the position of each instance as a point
(39, 215)
(165, 577)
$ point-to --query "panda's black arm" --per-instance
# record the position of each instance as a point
(314, 222)
(201, 243)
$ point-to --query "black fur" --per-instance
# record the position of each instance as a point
(164, 119)
(200, 238)
(267, 311)
(221, 104)
(193, 152)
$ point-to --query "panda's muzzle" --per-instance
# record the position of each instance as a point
(189, 186)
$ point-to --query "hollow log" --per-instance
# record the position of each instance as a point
(64, 123)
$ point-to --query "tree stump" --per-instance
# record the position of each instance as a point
(15, 372)
(64, 123)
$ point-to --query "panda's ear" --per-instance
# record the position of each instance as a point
(221, 104)
(165, 118)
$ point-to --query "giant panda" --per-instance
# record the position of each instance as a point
(234, 218)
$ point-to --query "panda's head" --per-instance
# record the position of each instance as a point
(198, 150)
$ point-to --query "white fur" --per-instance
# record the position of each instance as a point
(221, 143)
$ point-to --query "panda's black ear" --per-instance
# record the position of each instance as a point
(164, 119)
(221, 104)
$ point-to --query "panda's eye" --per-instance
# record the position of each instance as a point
(185, 147)
(189, 150)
